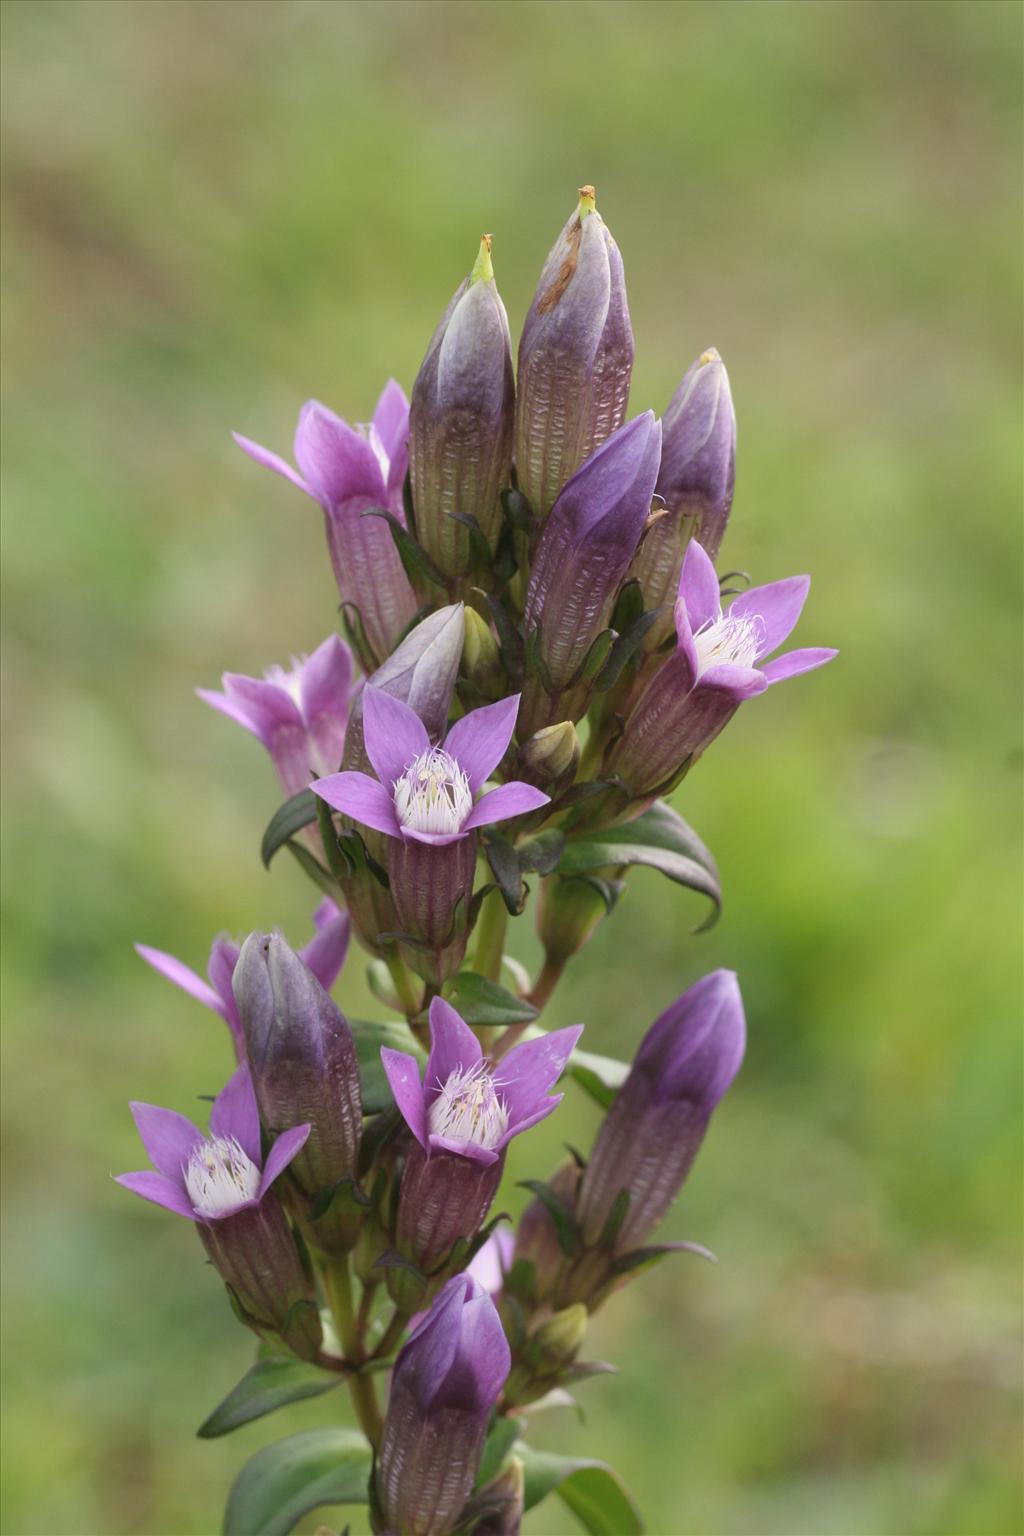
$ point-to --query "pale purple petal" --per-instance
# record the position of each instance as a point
(479, 741)
(531, 1069)
(453, 1046)
(167, 1137)
(391, 419)
(741, 682)
(513, 799)
(686, 651)
(546, 1106)
(182, 976)
(160, 1190)
(471, 1149)
(777, 605)
(393, 733)
(234, 710)
(794, 662)
(433, 839)
(360, 797)
(493, 1259)
(337, 461)
(288, 1145)
(272, 461)
(403, 1076)
(234, 1113)
(325, 953)
(326, 680)
(221, 968)
(698, 587)
(268, 705)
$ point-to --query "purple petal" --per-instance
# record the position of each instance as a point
(453, 1046)
(471, 1149)
(181, 976)
(360, 797)
(325, 953)
(698, 587)
(433, 839)
(337, 461)
(531, 1069)
(479, 741)
(777, 605)
(160, 1190)
(391, 419)
(272, 461)
(288, 1145)
(221, 968)
(241, 715)
(492, 1260)
(547, 1106)
(792, 663)
(167, 1137)
(394, 734)
(741, 682)
(403, 1076)
(513, 799)
(686, 651)
(234, 1113)
(268, 705)
(326, 680)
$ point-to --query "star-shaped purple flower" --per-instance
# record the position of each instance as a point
(208, 1178)
(324, 954)
(467, 1106)
(430, 794)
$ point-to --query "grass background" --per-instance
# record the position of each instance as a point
(214, 211)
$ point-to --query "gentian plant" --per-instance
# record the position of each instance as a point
(537, 648)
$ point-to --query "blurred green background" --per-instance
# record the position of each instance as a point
(216, 210)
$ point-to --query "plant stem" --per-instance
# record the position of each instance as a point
(338, 1285)
(547, 981)
(490, 936)
(406, 987)
(391, 1335)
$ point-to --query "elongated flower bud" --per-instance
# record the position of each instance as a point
(481, 658)
(551, 757)
(537, 1238)
(254, 1253)
(655, 1126)
(304, 1068)
(584, 553)
(446, 1381)
(570, 908)
(698, 461)
(656, 567)
(460, 421)
(444, 1197)
(431, 887)
(575, 357)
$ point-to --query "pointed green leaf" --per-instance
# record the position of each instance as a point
(369, 1036)
(296, 813)
(483, 1002)
(283, 1482)
(273, 1382)
(593, 1492)
(660, 839)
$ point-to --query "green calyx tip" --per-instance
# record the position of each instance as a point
(483, 271)
(588, 201)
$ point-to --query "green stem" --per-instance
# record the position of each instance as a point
(547, 981)
(391, 1335)
(490, 936)
(338, 1285)
(406, 986)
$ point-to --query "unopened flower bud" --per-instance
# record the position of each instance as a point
(698, 460)
(537, 1237)
(304, 1068)
(569, 910)
(446, 1381)
(575, 357)
(460, 422)
(657, 1121)
(551, 757)
(497, 1510)
(656, 567)
(481, 658)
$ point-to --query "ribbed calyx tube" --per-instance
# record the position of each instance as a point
(254, 1253)
(431, 888)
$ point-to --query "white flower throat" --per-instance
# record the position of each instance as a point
(220, 1177)
(433, 794)
(468, 1108)
(731, 639)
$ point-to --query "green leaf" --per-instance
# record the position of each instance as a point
(625, 648)
(415, 560)
(283, 1482)
(541, 854)
(660, 839)
(590, 1489)
(273, 1382)
(369, 1037)
(504, 862)
(566, 1228)
(296, 813)
(499, 1442)
(315, 870)
(483, 1002)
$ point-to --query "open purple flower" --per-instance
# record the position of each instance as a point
(324, 955)
(719, 661)
(299, 715)
(349, 470)
(424, 793)
(467, 1106)
(222, 1183)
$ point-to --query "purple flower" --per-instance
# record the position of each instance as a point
(698, 459)
(421, 672)
(324, 954)
(446, 1382)
(460, 444)
(424, 793)
(718, 662)
(466, 1105)
(349, 470)
(575, 357)
(657, 1121)
(300, 716)
(222, 1183)
(584, 553)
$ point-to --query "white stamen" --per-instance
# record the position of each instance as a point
(729, 640)
(468, 1108)
(291, 681)
(433, 794)
(220, 1177)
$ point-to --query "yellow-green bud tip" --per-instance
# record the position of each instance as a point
(588, 201)
(483, 271)
(712, 355)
